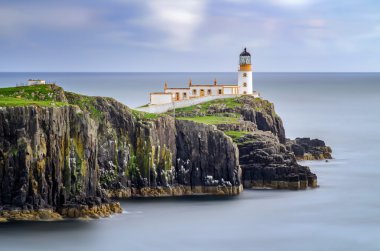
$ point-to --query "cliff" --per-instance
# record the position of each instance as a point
(64, 155)
(267, 158)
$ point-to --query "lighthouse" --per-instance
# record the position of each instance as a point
(245, 73)
(196, 93)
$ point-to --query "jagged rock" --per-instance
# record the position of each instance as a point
(309, 149)
(266, 163)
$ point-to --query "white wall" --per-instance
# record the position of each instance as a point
(189, 93)
(227, 90)
(36, 82)
(231, 90)
(181, 93)
(214, 90)
(161, 108)
(242, 80)
(160, 98)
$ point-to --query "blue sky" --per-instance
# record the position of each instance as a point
(189, 35)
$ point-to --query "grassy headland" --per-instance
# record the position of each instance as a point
(39, 95)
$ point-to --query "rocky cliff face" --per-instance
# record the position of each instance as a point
(48, 159)
(69, 160)
(267, 158)
(161, 156)
(206, 157)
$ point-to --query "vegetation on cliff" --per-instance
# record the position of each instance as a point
(257, 104)
(39, 95)
(211, 120)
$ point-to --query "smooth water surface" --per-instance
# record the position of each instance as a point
(343, 214)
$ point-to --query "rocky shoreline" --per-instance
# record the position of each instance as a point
(147, 192)
(83, 212)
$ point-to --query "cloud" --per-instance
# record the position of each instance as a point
(178, 21)
(16, 21)
(278, 3)
(292, 3)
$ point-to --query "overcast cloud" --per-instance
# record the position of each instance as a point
(191, 35)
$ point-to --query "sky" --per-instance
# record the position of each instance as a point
(189, 35)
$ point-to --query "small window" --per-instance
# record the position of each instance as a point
(244, 92)
(245, 75)
(194, 92)
(209, 92)
(184, 95)
(220, 91)
(244, 84)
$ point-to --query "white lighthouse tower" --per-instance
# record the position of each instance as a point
(245, 73)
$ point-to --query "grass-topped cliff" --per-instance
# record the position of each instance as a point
(69, 153)
(40, 95)
(240, 114)
(51, 95)
(223, 111)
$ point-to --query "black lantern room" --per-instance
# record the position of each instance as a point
(245, 57)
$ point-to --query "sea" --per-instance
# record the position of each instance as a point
(343, 109)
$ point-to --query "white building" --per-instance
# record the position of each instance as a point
(243, 86)
(36, 82)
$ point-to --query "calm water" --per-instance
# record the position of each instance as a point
(343, 214)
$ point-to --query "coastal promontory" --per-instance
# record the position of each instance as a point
(65, 155)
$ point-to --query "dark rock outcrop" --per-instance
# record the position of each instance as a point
(267, 158)
(266, 163)
(309, 149)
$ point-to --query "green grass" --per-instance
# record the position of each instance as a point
(145, 115)
(229, 102)
(32, 92)
(39, 95)
(236, 134)
(10, 101)
(212, 120)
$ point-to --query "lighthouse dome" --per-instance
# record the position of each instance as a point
(245, 58)
(245, 53)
